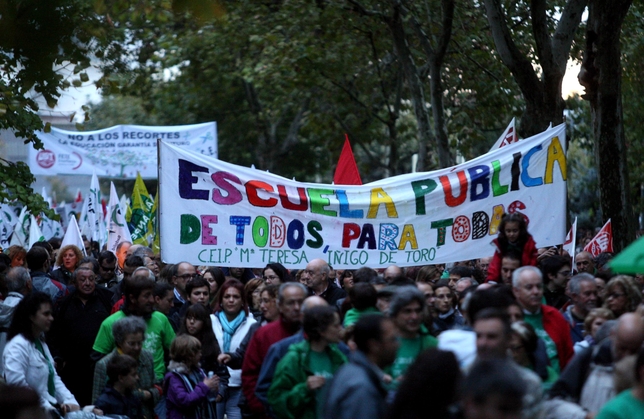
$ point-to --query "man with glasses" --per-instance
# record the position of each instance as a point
(316, 275)
(556, 273)
(78, 318)
(583, 293)
(182, 272)
(106, 269)
(548, 322)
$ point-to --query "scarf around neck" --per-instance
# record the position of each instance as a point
(230, 328)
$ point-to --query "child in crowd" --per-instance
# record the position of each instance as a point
(513, 237)
(117, 398)
(186, 386)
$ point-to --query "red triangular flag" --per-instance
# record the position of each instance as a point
(602, 242)
(346, 173)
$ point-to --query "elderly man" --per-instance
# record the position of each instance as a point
(548, 322)
(628, 404)
(77, 320)
(588, 380)
(583, 294)
(393, 272)
(316, 275)
(585, 263)
(290, 298)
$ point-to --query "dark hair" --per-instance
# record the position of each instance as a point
(218, 274)
(196, 282)
(552, 264)
(364, 274)
(515, 217)
(528, 337)
(44, 245)
(134, 286)
(368, 327)
(363, 296)
(499, 296)
(602, 259)
(209, 344)
(231, 283)
(36, 258)
(27, 307)
(492, 376)
(55, 242)
(89, 259)
(434, 374)
(106, 256)
(404, 296)
(280, 271)
(118, 366)
(317, 319)
(133, 261)
(462, 271)
(272, 290)
(490, 313)
(162, 288)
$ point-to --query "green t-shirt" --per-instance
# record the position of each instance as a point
(320, 364)
(406, 355)
(623, 406)
(536, 321)
(158, 336)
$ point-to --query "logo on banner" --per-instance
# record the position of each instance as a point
(46, 159)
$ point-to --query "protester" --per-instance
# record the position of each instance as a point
(216, 279)
(513, 236)
(38, 262)
(197, 323)
(253, 291)
(186, 386)
(363, 299)
(68, 259)
(275, 274)
(316, 276)
(593, 321)
(231, 322)
(26, 359)
(447, 315)
(630, 403)
(622, 295)
(128, 334)
(583, 295)
(18, 284)
(118, 396)
(268, 305)
(357, 390)
(303, 376)
(18, 255)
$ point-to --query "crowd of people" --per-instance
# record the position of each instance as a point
(527, 333)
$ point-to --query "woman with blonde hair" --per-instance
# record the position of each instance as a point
(622, 295)
(17, 254)
(68, 259)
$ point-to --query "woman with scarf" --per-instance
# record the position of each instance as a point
(231, 323)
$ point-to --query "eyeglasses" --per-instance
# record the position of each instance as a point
(188, 276)
(271, 277)
(615, 295)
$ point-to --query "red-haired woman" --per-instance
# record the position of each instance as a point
(230, 323)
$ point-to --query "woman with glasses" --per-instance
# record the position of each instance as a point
(231, 322)
(276, 274)
(622, 295)
(128, 334)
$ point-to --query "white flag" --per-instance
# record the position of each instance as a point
(94, 210)
(7, 221)
(117, 227)
(509, 136)
(21, 229)
(73, 236)
(571, 241)
(35, 235)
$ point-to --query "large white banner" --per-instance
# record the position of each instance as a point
(216, 213)
(119, 151)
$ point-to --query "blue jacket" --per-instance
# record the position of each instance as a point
(356, 391)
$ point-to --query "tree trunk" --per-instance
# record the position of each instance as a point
(415, 86)
(601, 75)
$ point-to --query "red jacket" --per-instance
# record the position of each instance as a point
(255, 354)
(558, 329)
(528, 258)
